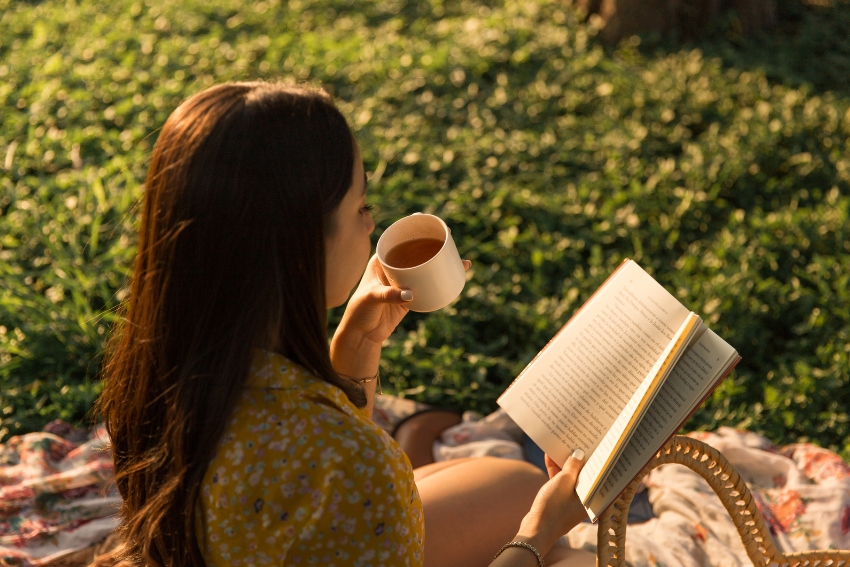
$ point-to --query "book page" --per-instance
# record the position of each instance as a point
(573, 391)
(615, 439)
(696, 373)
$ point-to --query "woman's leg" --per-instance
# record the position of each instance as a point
(427, 470)
(416, 434)
(474, 506)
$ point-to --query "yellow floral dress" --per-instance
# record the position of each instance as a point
(303, 477)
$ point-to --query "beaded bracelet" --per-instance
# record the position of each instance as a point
(362, 381)
(528, 546)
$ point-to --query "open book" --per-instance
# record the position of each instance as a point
(617, 381)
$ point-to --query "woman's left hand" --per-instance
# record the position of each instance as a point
(375, 308)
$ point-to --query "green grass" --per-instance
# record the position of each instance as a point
(722, 168)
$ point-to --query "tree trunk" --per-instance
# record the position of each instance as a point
(623, 18)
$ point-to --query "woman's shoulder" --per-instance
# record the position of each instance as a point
(286, 411)
(272, 370)
(298, 467)
(276, 381)
(300, 480)
(273, 425)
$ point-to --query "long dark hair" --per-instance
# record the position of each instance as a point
(243, 181)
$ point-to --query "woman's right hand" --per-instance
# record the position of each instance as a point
(556, 508)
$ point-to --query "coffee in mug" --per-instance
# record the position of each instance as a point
(413, 252)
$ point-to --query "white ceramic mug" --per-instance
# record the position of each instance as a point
(436, 281)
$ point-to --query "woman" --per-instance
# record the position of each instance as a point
(239, 437)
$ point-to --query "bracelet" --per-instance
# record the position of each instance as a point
(528, 546)
(362, 381)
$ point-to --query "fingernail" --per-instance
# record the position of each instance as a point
(407, 295)
(578, 455)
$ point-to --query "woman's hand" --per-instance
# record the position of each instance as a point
(375, 308)
(556, 508)
(372, 314)
(557, 505)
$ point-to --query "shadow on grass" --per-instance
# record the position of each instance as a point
(808, 48)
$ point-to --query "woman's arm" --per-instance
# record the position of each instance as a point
(371, 315)
(355, 356)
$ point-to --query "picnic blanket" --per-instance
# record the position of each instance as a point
(57, 498)
(58, 501)
(803, 492)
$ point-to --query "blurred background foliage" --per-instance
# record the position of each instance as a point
(722, 167)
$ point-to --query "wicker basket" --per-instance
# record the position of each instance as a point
(735, 496)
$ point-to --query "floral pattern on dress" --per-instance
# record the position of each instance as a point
(302, 477)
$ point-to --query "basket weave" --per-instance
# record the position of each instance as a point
(735, 496)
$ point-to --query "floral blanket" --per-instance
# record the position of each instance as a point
(58, 501)
(803, 492)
